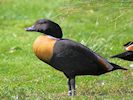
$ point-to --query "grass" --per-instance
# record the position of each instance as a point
(104, 26)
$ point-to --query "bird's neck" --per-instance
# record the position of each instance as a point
(51, 37)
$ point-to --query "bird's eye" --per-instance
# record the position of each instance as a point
(41, 23)
(44, 22)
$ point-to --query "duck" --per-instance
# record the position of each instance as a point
(67, 56)
(128, 54)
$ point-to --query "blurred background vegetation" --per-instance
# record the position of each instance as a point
(102, 25)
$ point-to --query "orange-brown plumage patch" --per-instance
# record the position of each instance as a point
(43, 47)
(105, 65)
(129, 48)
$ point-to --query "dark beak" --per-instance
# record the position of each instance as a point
(32, 28)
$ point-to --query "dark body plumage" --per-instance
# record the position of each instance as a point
(68, 59)
(128, 54)
(73, 59)
(67, 56)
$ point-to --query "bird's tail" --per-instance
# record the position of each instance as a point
(120, 55)
(128, 55)
(117, 67)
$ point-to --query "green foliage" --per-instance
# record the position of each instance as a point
(102, 25)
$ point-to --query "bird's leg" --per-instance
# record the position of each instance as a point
(69, 88)
(71, 84)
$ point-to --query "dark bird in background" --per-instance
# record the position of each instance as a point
(128, 54)
(128, 46)
(67, 56)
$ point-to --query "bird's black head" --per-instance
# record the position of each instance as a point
(47, 27)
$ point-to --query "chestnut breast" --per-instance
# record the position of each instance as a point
(43, 47)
